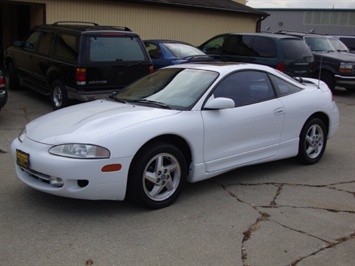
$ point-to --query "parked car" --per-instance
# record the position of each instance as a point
(83, 61)
(333, 67)
(287, 54)
(349, 41)
(186, 122)
(168, 52)
(3, 91)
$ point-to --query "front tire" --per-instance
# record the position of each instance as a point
(313, 140)
(157, 175)
(58, 95)
(329, 79)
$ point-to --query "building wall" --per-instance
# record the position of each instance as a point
(149, 21)
(332, 21)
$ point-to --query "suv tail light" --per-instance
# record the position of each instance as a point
(281, 66)
(2, 81)
(151, 69)
(80, 76)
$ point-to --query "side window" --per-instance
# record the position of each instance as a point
(214, 46)
(238, 45)
(264, 47)
(45, 43)
(282, 87)
(153, 50)
(246, 87)
(66, 47)
(31, 43)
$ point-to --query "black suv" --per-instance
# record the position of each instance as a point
(77, 60)
(285, 53)
(336, 68)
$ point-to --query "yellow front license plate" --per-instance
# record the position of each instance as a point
(23, 159)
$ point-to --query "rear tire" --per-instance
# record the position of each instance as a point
(313, 140)
(59, 98)
(157, 175)
(14, 81)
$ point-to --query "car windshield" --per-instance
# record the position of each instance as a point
(338, 45)
(319, 44)
(178, 88)
(183, 50)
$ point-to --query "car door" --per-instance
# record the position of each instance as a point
(247, 133)
(41, 61)
(24, 56)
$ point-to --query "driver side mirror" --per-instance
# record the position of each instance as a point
(219, 103)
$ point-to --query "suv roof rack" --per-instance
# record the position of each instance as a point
(83, 25)
(74, 22)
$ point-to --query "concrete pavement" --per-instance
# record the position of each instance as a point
(279, 213)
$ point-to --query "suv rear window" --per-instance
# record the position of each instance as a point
(293, 49)
(115, 49)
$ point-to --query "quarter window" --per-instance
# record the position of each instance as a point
(246, 87)
(283, 87)
(66, 47)
(153, 50)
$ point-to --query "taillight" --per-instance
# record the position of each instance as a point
(281, 67)
(151, 69)
(80, 76)
(2, 81)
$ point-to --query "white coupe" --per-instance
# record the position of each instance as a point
(182, 123)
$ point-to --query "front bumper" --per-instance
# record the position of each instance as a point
(82, 178)
(83, 95)
(345, 81)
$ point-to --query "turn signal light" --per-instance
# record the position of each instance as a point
(111, 168)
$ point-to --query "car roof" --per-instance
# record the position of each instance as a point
(166, 41)
(300, 34)
(83, 26)
(270, 35)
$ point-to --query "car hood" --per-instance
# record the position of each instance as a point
(346, 57)
(88, 121)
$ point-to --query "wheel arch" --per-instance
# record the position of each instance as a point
(172, 139)
(320, 115)
(54, 74)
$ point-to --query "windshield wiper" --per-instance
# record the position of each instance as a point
(155, 103)
(119, 100)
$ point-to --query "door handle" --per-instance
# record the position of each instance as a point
(279, 111)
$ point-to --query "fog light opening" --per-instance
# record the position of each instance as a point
(83, 183)
(56, 181)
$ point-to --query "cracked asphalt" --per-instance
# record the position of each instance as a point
(279, 213)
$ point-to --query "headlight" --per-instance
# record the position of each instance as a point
(22, 135)
(346, 67)
(80, 151)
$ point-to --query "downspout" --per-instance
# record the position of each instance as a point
(258, 23)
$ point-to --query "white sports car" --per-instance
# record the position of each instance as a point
(182, 123)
